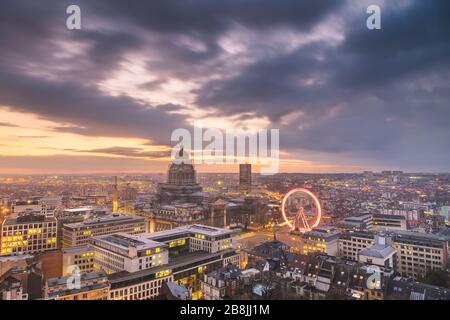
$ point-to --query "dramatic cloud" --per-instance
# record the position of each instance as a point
(340, 93)
(130, 152)
(7, 124)
(376, 94)
(94, 112)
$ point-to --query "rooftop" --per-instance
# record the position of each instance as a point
(377, 251)
(28, 218)
(418, 236)
(26, 203)
(80, 249)
(193, 258)
(359, 218)
(358, 234)
(112, 218)
(196, 228)
(53, 282)
(179, 291)
(409, 289)
(79, 209)
(228, 272)
(388, 216)
(326, 232)
(15, 258)
(125, 240)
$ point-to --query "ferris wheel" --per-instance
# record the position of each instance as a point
(301, 210)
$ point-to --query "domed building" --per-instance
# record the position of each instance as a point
(181, 185)
(181, 201)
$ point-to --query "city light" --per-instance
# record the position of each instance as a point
(258, 154)
(318, 215)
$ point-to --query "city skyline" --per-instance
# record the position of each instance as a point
(223, 237)
(106, 98)
(236, 158)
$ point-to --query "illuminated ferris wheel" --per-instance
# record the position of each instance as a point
(301, 210)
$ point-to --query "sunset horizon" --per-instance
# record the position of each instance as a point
(108, 96)
(225, 159)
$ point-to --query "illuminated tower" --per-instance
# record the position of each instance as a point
(115, 205)
(245, 178)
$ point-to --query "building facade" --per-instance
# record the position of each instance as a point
(125, 252)
(350, 243)
(245, 178)
(77, 259)
(183, 255)
(221, 284)
(28, 234)
(79, 233)
(181, 182)
(89, 286)
(323, 239)
(419, 253)
(28, 206)
(362, 222)
(388, 222)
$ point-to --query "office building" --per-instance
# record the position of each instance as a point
(388, 222)
(184, 255)
(323, 239)
(28, 234)
(131, 253)
(125, 252)
(77, 259)
(27, 207)
(356, 223)
(351, 242)
(245, 178)
(78, 234)
(419, 253)
(89, 286)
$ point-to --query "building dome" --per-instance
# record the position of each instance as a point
(181, 174)
(181, 171)
(181, 182)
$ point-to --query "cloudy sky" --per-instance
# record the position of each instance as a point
(106, 98)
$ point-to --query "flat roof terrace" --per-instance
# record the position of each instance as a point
(124, 240)
(115, 218)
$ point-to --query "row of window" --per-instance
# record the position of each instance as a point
(142, 291)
